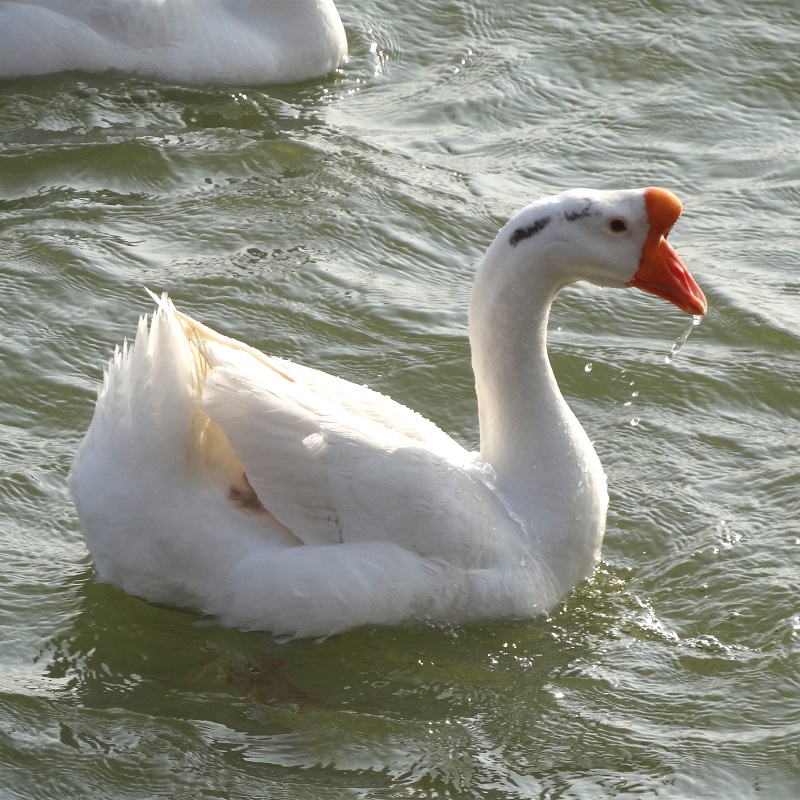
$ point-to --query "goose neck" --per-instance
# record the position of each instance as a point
(519, 400)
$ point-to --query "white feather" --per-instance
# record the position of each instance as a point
(281, 498)
(195, 41)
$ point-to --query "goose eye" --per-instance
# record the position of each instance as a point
(618, 225)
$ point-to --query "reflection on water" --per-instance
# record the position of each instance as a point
(367, 702)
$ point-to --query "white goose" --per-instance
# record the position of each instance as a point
(278, 497)
(192, 41)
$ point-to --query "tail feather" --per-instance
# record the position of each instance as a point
(152, 477)
(201, 335)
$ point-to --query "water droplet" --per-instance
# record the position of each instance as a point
(588, 367)
(681, 340)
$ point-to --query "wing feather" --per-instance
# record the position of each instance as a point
(336, 462)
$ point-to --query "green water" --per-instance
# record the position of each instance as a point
(339, 223)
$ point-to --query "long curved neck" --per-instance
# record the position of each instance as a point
(547, 471)
(517, 392)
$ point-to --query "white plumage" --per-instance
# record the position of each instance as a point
(279, 497)
(190, 41)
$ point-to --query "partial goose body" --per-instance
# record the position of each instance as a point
(279, 497)
(189, 41)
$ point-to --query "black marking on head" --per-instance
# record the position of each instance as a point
(586, 211)
(528, 231)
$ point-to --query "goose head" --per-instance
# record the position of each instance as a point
(609, 238)
(544, 464)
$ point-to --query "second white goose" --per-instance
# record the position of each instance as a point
(188, 41)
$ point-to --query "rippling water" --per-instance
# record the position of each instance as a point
(339, 223)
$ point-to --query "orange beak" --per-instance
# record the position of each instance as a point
(661, 271)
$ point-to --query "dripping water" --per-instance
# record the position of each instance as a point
(681, 340)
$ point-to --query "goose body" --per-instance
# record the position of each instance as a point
(279, 497)
(191, 41)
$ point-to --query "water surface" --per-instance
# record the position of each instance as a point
(339, 222)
